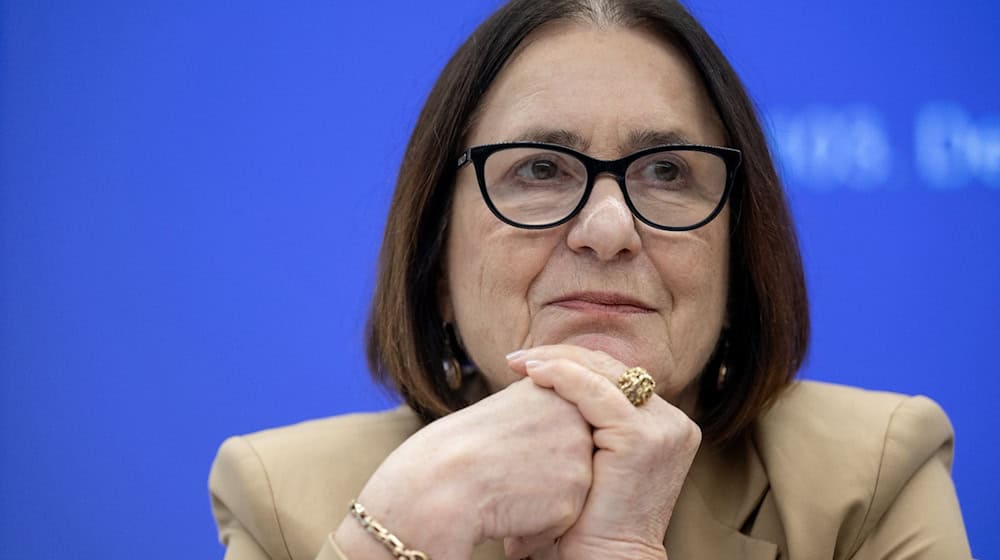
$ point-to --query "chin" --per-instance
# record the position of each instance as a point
(615, 346)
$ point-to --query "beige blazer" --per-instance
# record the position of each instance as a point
(829, 472)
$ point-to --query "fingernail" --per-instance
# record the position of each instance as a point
(515, 355)
(532, 364)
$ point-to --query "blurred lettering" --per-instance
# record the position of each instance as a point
(824, 148)
(951, 149)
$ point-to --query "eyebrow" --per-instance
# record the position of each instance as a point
(637, 139)
(559, 136)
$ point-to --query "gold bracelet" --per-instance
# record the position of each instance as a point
(383, 535)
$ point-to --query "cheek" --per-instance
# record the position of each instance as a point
(698, 274)
(476, 244)
(701, 269)
(695, 269)
(491, 268)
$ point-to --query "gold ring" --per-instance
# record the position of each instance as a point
(637, 385)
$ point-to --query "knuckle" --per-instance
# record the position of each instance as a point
(560, 364)
(684, 435)
(607, 361)
(694, 435)
(677, 432)
(565, 512)
(578, 475)
(596, 383)
(660, 436)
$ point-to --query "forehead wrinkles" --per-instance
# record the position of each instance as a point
(490, 92)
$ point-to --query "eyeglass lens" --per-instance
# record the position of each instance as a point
(536, 186)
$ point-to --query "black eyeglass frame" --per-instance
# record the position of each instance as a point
(595, 167)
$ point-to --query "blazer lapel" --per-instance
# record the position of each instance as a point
(724, 489)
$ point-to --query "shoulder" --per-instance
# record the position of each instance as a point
(811, 408)
(362, 433)
(820, 417)
(842, 455)
(289, 487)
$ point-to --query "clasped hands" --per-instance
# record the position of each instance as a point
(558, 464)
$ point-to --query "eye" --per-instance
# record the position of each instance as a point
(538, 170)
(664, 171)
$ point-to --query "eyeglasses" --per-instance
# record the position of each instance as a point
(533, 185)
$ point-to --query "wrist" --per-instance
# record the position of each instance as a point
(416, 497)
(413, 502)
(417, 528)
(436, 492)
(352, 539)
(613, 550)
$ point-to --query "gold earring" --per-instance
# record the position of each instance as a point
(720, 383)
(452, 373)
(450, 364)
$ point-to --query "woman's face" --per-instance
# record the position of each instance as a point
(604, 280)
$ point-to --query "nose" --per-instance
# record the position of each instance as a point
(605, 226)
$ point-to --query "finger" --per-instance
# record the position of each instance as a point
(532, 546)
(514, 548)
(599, 400)
(596, 360)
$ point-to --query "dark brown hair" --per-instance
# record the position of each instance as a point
(768, 319)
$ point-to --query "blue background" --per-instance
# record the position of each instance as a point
(191, 201)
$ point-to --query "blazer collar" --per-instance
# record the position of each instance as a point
(724, 488)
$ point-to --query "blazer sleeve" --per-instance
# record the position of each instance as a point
(244, 508)
(914, 513)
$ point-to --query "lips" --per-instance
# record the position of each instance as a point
(601, 302)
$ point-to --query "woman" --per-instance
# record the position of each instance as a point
(587, 210)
